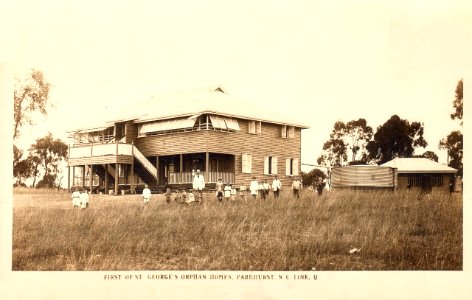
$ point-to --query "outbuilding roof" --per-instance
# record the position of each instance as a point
(418, 165)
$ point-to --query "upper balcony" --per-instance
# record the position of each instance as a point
(121, 153)
(101, 153)
(91, 150)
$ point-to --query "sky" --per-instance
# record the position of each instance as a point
(316, 61)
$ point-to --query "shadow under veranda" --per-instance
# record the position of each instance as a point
(394, 232)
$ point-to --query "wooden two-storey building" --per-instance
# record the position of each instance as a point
(165, 140)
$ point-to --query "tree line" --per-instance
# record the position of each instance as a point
(44, 161)
(355, 142)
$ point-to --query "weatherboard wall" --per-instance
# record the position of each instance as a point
(446, 182)
(267, 143)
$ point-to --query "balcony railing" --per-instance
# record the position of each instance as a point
(92, 150)
(187, 177)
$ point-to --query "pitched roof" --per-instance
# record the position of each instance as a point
(418, 165)
(212, 100)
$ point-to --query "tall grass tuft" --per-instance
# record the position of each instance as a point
(401, 231)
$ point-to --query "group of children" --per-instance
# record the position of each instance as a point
(182, 197)
(80, 198)
(225, 191)
(256, 188)
(228, 192)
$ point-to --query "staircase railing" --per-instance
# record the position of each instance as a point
(144, 161)
(111, 170)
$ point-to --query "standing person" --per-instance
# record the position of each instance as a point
(262, 191)
(219, 190)
(242, 191)
(233, 193)
(146, 194)
(84, 199)
(76, 198)
(198, 185)
(266, 187)
(276, 186)
(227, 191)
(168, 195)
(178, 196)
(296, 187)
(191, 198)
(253, 187)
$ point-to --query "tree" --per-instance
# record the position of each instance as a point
(17, 154)
(352, 136)
(30, 95)
(316, 179)
(22, 171)
(35, 163)
(48, 181)
(429, 155)
(454, 145)
(458, 102)
(21, 167)
(25, 168)
(313, 178)
(395, 138)
(334, 152)
(359, 134)
(50, 153)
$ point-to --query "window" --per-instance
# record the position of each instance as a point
(255, 127)
(224, 123)
(270, 165)
(416, 180)
(246, 163)
(232, 124)
(437, 180)
(119, 130)
(166, 125)
(252, 127)
(186, 124)
(284, 131)
(287, 131)
(121, 170)
(291, 132)
(291, 166)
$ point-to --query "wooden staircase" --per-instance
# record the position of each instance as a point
(100, 171)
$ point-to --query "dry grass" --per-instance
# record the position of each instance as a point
(394, 231)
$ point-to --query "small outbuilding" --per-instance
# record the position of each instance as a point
(423, 174)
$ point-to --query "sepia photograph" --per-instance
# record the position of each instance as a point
(208, 149)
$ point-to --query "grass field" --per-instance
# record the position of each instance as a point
(402, 231)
